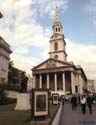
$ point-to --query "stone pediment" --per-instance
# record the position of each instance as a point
(51, 63)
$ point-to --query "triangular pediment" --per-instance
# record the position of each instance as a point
(51, 63)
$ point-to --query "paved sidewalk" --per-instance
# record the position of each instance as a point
(69, 117)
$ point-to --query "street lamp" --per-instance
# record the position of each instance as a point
(1, 15)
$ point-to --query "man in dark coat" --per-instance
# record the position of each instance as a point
(74, 102)
(90, 102)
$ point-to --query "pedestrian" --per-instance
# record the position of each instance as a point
(63, 100)
(83, 104)
(74, 102)
(78, 99)
(90, 102)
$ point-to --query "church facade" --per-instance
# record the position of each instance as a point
(56, 73)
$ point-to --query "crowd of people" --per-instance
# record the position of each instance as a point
(83, 101)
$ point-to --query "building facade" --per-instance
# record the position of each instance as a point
(56, 73)
(4, 60)
(90, 86)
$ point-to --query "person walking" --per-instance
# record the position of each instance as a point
(90, 102)
(83, 104)
(63, 100)
(78, 97)
(74, 102)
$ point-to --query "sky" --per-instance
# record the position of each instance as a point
(27, 27)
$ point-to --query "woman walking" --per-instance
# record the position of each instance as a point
(83, 104)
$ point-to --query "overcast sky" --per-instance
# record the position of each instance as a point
(27, 27)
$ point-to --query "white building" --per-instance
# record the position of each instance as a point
(4, 60)
(56, 73)
(30, 83)
(90, 86)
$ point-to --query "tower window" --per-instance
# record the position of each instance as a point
(56, 56)
(56, 29)
(56, 46)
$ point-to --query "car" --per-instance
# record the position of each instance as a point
(68, 96)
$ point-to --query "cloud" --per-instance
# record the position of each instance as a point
(24, 63)
(20, 27)
(90, 8)
(84, 55)
(47, 6)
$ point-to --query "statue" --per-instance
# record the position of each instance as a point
(24, 84)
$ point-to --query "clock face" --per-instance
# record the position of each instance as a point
(56, 56)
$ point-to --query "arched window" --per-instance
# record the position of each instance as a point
(56, 56)
(56, 29)
(56, 46)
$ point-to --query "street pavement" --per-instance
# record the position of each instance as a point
(69, 117)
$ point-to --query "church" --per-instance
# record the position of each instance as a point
(56, 73)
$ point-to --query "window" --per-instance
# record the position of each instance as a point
(56, 46)
(76, 89)
(56, 29)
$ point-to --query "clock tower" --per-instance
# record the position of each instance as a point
(57, 42)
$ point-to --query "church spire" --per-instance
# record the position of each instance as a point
(57, 42)
(57, 14)
(57, 27)
(57, 19)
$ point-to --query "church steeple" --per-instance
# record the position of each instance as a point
(57, 42)
(57, 27)
(57, 15)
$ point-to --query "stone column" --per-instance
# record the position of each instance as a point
(47, 81)
(72, 83)
(34, 81)
(40, 83)
(63, 80)
(80, 85)
(55, 79)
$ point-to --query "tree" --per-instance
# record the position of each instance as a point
(2, 93)
(15, 75)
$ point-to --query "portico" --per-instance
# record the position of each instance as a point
(53, 81)
(63, 78)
